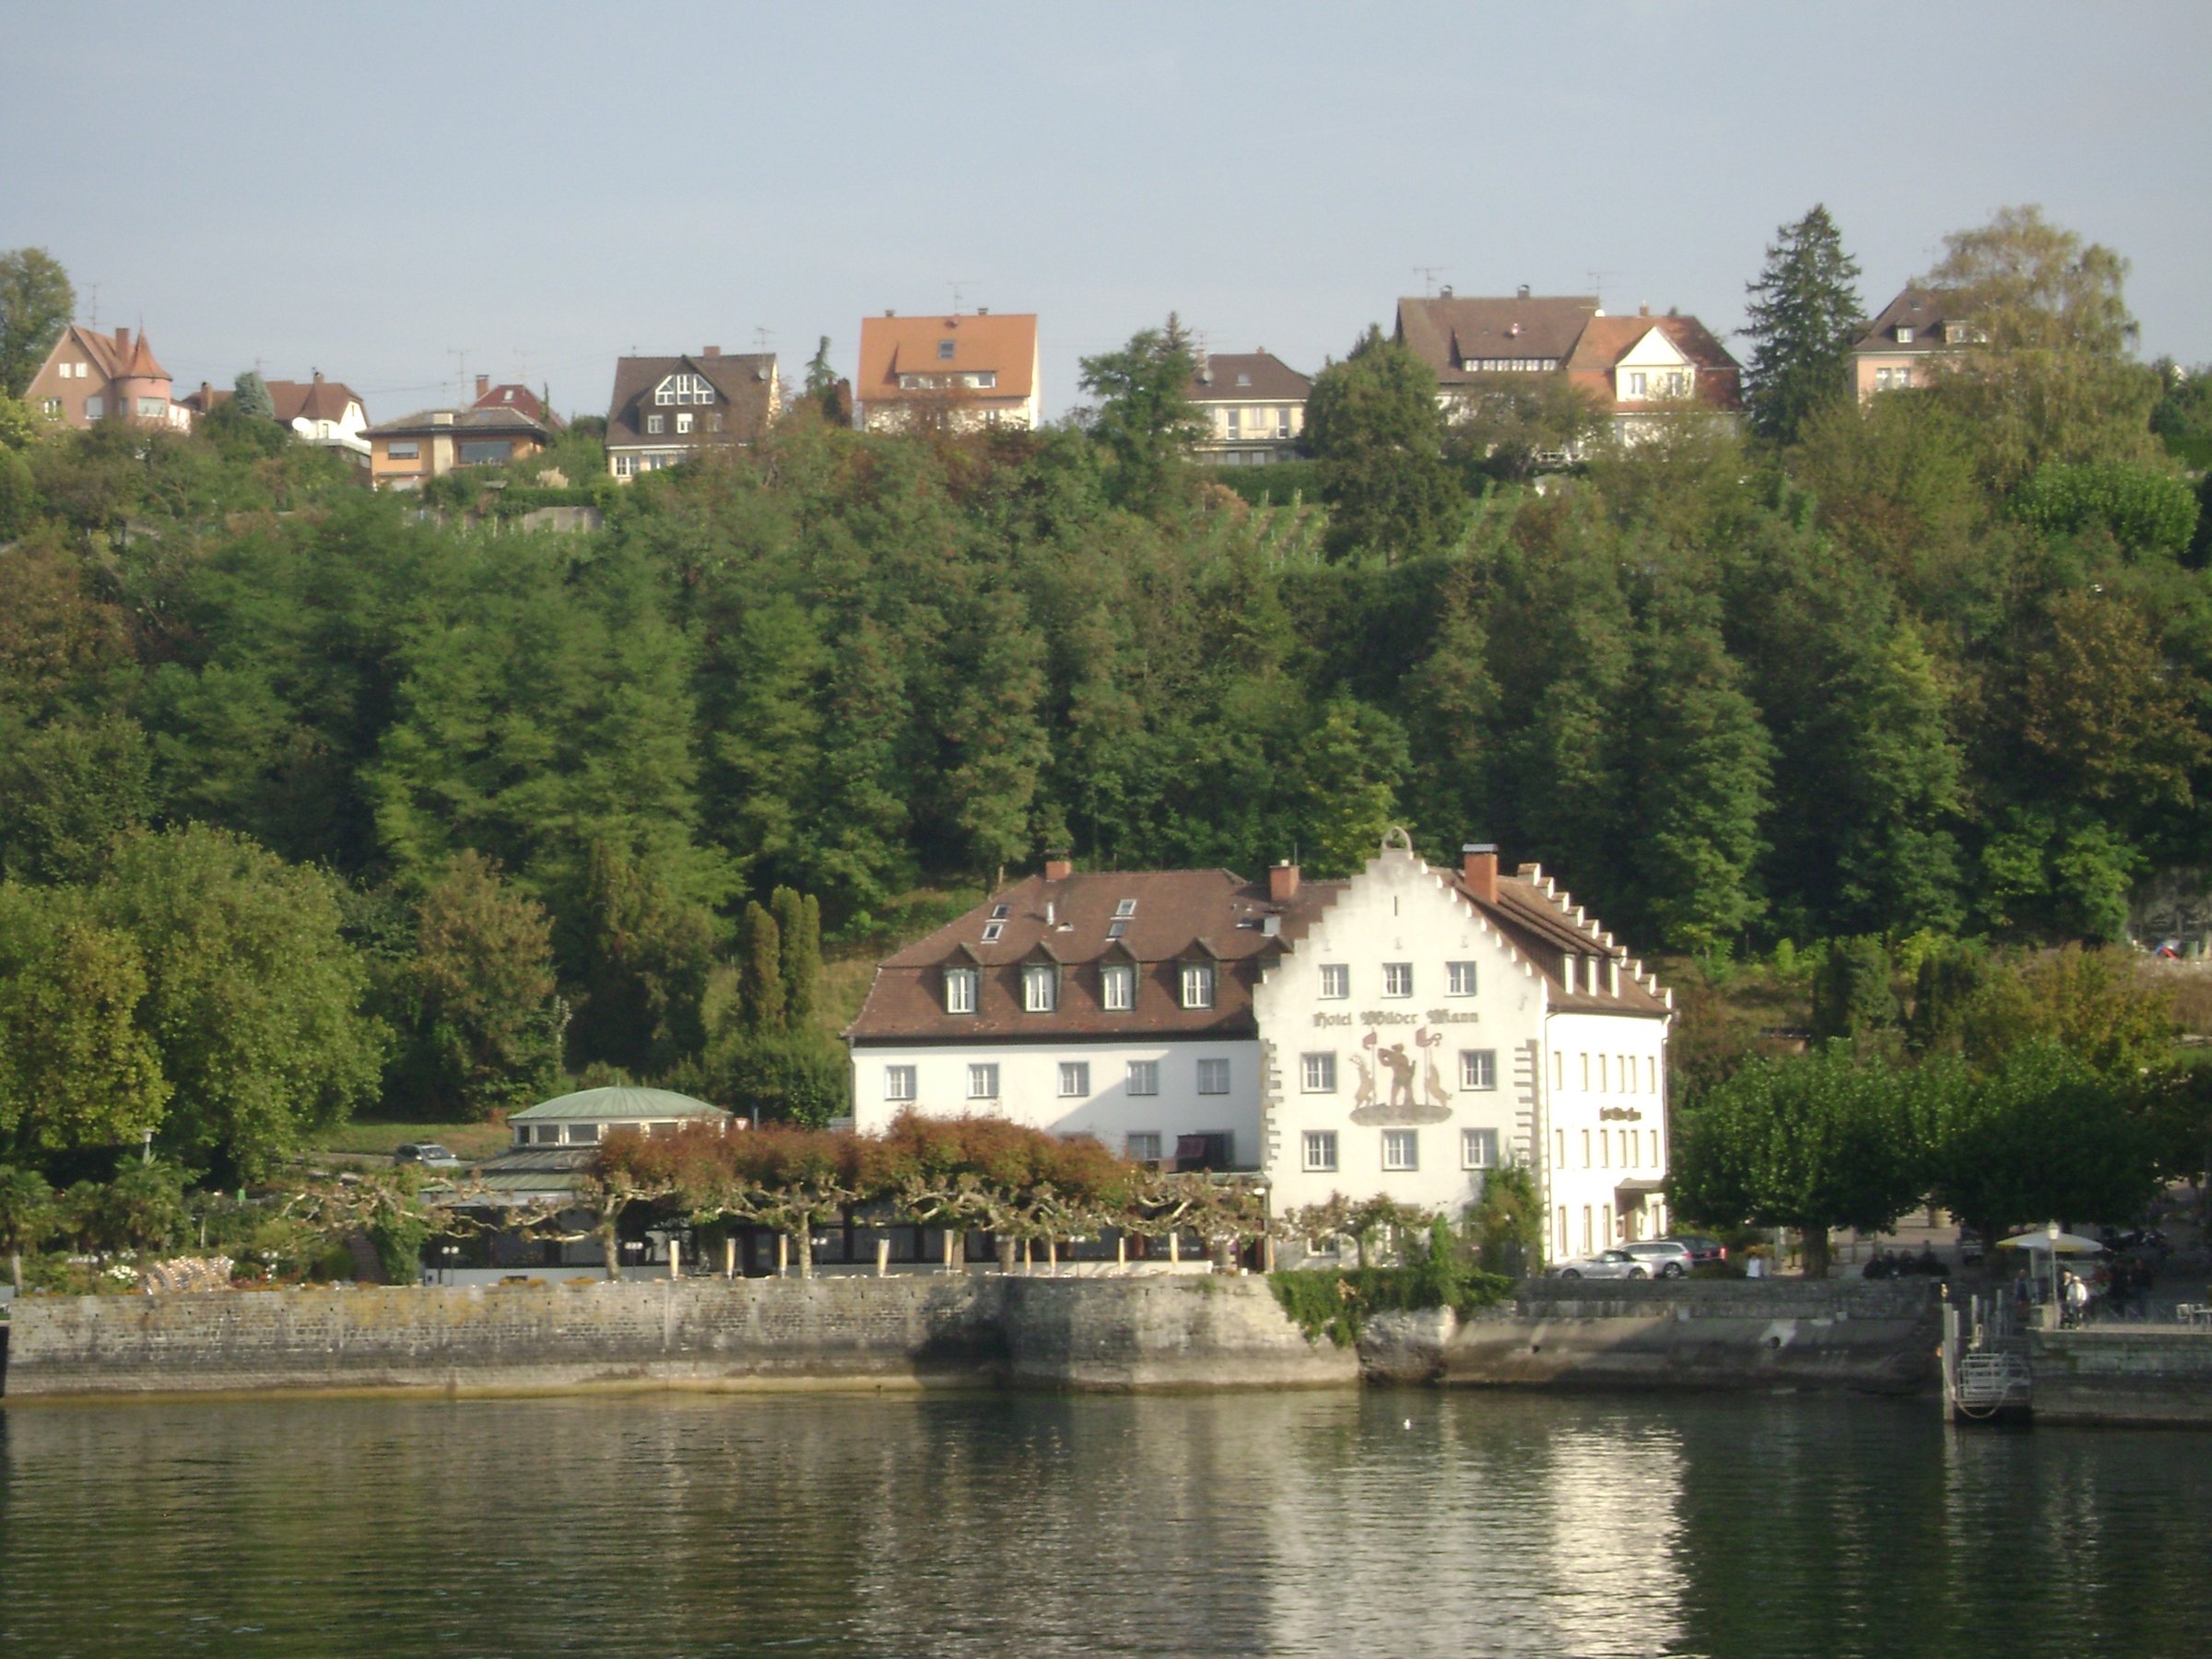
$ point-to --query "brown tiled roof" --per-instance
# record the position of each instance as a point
(514, 396)
(1002, 342)
(117, 356)
(1445, 331)
(318, 399)
(1925, 309)
(1240, 377)
(744, 383)
(1179, 916)
(1605, 340)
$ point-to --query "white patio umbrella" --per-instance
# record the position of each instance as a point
(2062, 1244)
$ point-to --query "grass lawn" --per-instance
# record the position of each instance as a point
(373, 1136)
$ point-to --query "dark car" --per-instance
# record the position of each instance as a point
(1703, 1251)
(429, 1154)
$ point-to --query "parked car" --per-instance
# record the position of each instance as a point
(1605, 1264)
(1703, 1251)
(429, 1154)
(1667, 1258)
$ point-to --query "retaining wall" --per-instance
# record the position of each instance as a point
(908, 1331)
(1206, 1331)
(1878, 1337)
(724, 1332)
(2117, 1374)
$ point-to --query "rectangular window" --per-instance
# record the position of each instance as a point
(1336, 981)
(626, 466)
(95, 407)
(1320, 1073)
(584, 1135)
(683, 421)
(1586, 1071)
(715, 421)
(1320, 1150)
(1039, 988)
(897, 1082)
(1117, 987)
(1650, 1075)
(1654, 1135)
(549, 1134)
(1459, 978)
(1558, 1148)
(1397, 979)
(1479, 1068)
(1636, 384)
(944, 349)
(152, 407)
(1558, 1068)
(1628, 1148)
(1142, 1148)
(1198, 984)
(1143, 1076)
(1585, 1148)
(483, 451)
(403, 449)
(52, 405)
(959, 990)
(983, 1082)
(1479, 1148)
(656, 423)
(1401, 1150)
(1561, 1220)
(1604, 1158)
(1213, 1077)
(1074, 1079)
(1589, 1242)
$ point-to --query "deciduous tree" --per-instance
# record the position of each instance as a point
(36, 303)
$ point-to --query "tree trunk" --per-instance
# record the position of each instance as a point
(1816, 1251)
(1005, 1253)
(15, 1269)
(806, 1242)
(612, 1247)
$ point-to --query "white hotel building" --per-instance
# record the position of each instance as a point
(1402, 1032)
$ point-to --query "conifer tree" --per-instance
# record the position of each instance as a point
(1804, 310)
(760, 1004)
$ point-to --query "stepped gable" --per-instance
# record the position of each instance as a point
(1546, 927)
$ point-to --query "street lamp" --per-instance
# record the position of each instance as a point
(2058, 1316)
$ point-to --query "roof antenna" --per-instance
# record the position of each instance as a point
(956, 285)
(760, 340)
(1429, 274)
(95, 320)
(1597, 286)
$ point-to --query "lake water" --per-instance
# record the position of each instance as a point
(1352, 1522)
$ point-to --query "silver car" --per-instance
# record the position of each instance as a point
(1667, 1258)
(1605, 1264)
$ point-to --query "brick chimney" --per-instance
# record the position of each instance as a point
(483, 385)
(1058, 868)
(1478, 870)
(710, 351)
(1282, 882)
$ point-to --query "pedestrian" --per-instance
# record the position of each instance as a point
(2077, 1298)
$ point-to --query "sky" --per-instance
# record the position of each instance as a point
(404, 194)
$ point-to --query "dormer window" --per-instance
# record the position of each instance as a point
(1904, 333)
(684, 389)
(959, 990)
(1117, 987)
(1039, 988)
(1243, 380)
(944, 349)
(1198, 984)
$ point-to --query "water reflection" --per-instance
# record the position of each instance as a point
(1333, 1523)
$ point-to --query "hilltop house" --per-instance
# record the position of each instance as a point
(407, 452)
(668, 409)
(946, 373)
(1637, 369)
(1915, 337)
(1403, 1031)
(328, 414)
(92, 376)
(1253, 405)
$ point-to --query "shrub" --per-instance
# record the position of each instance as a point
(2145, 511)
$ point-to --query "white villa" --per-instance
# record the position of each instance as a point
(1403, 1032)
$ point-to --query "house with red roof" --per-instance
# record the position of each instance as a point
(1637, 369)
(513, 394)
(326, 413)
(947, 372)
(1402, 1031)
(90, 376)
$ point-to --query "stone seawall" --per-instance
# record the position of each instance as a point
(1695, 1334)
(1203, 1332)
(732, 1332)
(1197, 1332)
(2117, 1375)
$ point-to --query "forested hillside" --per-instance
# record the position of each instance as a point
(400, 803)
